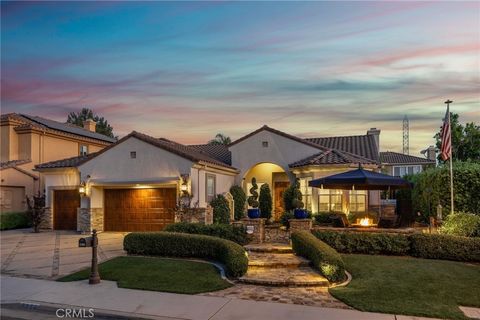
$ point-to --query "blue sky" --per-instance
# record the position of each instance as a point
(187, 70)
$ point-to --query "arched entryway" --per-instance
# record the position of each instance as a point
(277, 179)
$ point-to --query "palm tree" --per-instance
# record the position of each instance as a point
(220, 138)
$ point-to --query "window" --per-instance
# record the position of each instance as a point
(358, 201)
(306, 192)
(401, 171)
(210, 187)
(83, 150)
(330, 200)
(133, 154)
(265, 144)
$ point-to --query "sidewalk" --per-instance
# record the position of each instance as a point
(108, 297)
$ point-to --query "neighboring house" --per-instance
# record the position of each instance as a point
(27, 141)
(135, 183)
(399, 164)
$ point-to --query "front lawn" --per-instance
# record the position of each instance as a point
(158, 274)
(410, 286)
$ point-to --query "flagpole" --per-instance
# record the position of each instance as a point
(451, 158)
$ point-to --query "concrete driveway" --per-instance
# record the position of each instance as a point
(52, 254)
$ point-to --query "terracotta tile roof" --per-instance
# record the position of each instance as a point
(280, 133)
(332, 156)
(54, 126)
(390, 157)
(216, 151)
(363, 145)
(66, 163)
(13, 163)
(168, 145)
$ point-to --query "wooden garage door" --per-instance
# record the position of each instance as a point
(65, 204)
(139, 209)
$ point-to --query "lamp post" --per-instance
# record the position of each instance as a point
(94, 275)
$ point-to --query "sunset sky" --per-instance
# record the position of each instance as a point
(187, 70)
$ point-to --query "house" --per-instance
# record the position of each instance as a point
(399, 164)
(27, 141)
(135, 184)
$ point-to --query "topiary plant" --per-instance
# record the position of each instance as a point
(239, 199)
(252, 200)
(297, 196)
(265, 201)
(288, 197)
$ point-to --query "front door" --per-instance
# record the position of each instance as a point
(280, 187)
(65, 204)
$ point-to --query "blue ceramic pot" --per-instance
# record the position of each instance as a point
(254, 213)
(300, 213)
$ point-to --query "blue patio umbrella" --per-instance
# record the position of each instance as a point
(360, 179)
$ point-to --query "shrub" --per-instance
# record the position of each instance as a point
(221, 211)
(36, 211)
(265, 201)
(323, 257)
(239, 199)
(323, 217)
(365, 242)
(168, 244)
(289, 198)
(297, 196)
(225, 231)
(446, 247)
(14, 220)
(287, 215)
(462, 224)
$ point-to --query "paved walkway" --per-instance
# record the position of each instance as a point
(52, 254)
(108, 297)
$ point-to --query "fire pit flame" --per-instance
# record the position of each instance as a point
(365, 222)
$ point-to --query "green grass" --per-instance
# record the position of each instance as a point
(14, 220)
(158, 274)
(410, 286)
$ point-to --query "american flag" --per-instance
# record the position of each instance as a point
(446, 149)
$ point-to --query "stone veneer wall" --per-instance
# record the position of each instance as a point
(258, 226)
(47, 222)
(276, 234)
(195, 215)
(89, 219)
(300, 224)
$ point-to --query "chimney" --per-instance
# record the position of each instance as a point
(432, 153)
(90, 125)
(376, 135)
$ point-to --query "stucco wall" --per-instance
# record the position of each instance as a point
(58, 180)
(14, 178)
(151, 163)
(197, 177)
(281, 151)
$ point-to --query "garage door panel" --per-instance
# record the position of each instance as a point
(65, 205)
(139, 209)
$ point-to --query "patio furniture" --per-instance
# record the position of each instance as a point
(387, 222)
(340, 220)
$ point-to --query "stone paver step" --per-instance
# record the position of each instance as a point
(275, 260)
(269, 248)
(284, 277)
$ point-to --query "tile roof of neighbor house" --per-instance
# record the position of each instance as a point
(13, 163)
(217, 151)
(363, 145)
(47, 124)
(169, 145)
(390, 157)
(332, 156)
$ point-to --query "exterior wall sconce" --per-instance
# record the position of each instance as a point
(82, 189)
(184, 185)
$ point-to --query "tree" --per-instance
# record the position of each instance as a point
(103, 127)
(36, 211)
(221, 211)
(465, 140)
(220, 138)
(265, 201)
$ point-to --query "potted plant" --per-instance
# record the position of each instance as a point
(254, 212)
(298, 212)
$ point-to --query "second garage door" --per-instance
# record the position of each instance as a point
(139, 209)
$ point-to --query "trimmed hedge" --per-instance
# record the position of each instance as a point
(445, 247)
(14, 220)
(168, 244)
(323, 257)
(365, 242)
(427, 246)
(462, 224)
(225, 231)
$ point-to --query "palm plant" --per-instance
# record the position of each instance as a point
(220, 138)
